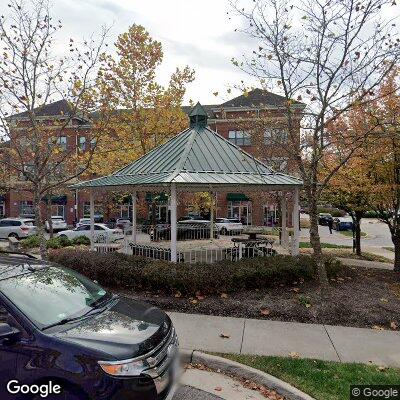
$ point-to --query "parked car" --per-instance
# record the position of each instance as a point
(85, 221)
(124, 224)
(101, 233)
(192, 218)
(58, 224)
(343, 224)
(18, 228)
(75, 334)
(226, 226)
(324, 218)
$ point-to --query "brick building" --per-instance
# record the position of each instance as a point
(229, 119)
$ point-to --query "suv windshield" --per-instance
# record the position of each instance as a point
(51, 295)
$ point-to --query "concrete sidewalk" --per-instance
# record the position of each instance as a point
(353, 262)
(275, 338)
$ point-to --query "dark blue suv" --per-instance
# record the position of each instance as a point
(62, 336)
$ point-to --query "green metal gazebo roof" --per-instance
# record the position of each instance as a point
(197, 156)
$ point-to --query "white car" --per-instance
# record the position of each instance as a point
(102, 233)
(58, 224)
(226, 226)
(124, 224)
(83, 221)
(18, 228)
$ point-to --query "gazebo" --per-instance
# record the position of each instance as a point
(197, 160)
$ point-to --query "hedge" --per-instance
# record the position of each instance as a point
(54, 243)
(121, 271)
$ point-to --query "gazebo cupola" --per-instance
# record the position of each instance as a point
(198, 116)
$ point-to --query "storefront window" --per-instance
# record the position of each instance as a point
(270, 215)
(26, 208)
(240, 210)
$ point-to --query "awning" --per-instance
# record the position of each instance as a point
(237, 197)
(61, 200)
(157, 198)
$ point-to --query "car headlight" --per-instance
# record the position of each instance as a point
(129, 368)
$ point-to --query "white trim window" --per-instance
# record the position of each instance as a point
(240, 138)
(275, 135)
(62, 142)
(82, 143)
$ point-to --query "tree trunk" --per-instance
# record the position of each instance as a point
(48, 215)
(396, 242)
(357, 229)
(39, 223)
(315, 239)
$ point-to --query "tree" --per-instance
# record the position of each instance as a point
(31, 75)
(384, 160)
(142, 113)
(331, 55)
(350, 190)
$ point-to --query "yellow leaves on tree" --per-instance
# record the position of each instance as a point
(141, 113)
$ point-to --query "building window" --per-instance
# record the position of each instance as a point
(2, 209)
(241, 211)
(270, 215)
(58, 210)
(62, 142)
(240, 138)
(82, 143)
(93, 144)
(125, 211)
(275, 135)
(26, 209)
(98, 211)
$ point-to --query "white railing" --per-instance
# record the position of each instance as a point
(194, 244)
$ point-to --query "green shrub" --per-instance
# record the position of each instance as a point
(58, 242)
(371, 214)
(122, 271)
(80, 240)
(30, 242)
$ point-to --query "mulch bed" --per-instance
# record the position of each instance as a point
(358, 298)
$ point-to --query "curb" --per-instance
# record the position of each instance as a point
(243, 371)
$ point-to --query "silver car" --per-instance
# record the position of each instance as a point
(58, 224)
(18, 228)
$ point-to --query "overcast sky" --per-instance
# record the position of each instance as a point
(192, 32)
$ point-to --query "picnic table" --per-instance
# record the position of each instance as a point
(253, 246)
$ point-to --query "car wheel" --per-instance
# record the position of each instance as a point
(63, 236)
(13, 235)
(224, 231)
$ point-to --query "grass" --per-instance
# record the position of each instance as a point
(350, 233)
(307, 245)
(320, 379)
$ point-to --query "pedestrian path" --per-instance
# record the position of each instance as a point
(352, 262)
(275, 338)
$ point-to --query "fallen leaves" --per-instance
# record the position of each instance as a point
(294, 355)
(218, 389)
(224, 335)
(378, 328)
(265, 311)
(393, 325)
(224, 296)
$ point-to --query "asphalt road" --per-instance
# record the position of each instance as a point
(189, 393)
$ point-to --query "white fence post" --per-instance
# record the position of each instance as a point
(173, 223)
